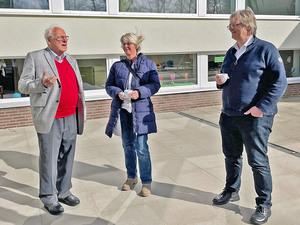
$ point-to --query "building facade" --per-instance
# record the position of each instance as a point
(187, 39)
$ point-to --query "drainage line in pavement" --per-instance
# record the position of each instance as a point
(198, 119)
(278, 147)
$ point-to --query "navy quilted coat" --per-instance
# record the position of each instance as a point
(142, 109)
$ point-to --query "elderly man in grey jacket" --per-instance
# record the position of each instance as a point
(52, 79)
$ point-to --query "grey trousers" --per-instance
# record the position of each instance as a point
(56, 159)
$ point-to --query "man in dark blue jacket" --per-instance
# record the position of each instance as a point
(256, 82)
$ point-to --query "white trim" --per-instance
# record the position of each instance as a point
(25, 11)
(14, 102)
(184, 89)
(293, 80)
(276, 17)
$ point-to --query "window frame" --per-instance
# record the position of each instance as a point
(56, 7)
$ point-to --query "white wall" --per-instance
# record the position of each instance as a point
(100, 35)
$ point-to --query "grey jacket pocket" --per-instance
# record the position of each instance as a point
(39, 100)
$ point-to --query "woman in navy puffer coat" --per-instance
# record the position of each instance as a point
(131, 103)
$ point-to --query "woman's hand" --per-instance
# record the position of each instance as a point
(120, 96)
(134, 95)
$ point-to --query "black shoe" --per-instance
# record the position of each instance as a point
(261, 215)
(55, 208)
(71, 200)
(225, 197)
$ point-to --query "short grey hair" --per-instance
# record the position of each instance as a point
(247, 17)
(134, 38)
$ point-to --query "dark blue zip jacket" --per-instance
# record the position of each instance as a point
(143, 116)
(257, 78)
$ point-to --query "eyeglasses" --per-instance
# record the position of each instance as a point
(231, 26)
(61, 38)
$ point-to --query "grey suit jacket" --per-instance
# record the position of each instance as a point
(44, 101)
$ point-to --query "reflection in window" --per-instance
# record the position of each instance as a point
(176, 70)
(85, 5)
(274, 7)
(25, 4)
(93, 72)
(158, 6)
(214, 66)
(291, 60)
(220, 6)
(10, 72)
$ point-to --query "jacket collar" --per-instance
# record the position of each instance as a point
(250, 46)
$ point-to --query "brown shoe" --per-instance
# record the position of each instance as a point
(129, 184)
(146, 190)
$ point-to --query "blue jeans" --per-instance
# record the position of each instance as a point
(253, 133)
(135, 145)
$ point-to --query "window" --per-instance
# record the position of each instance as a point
(93, 72)
(274, 7)
(214, 66)
(220, 6)
(291, 60)
(24, 4)
(176, 70)
(10, 72)
(158, 6)
(85, 5)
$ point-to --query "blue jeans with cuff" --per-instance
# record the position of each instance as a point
(135, 146)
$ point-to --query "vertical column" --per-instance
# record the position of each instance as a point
(202, 70)
(240, 4)
(110, 60)
(113, 7)
(202, 4)
(57, 6)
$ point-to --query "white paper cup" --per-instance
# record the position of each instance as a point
(126, 93)
(223, 76)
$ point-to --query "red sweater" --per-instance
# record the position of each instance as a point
(69, 90)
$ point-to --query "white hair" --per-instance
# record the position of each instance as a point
(49, 32)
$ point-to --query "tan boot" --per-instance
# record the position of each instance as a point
(146, 190)
(129, 184)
